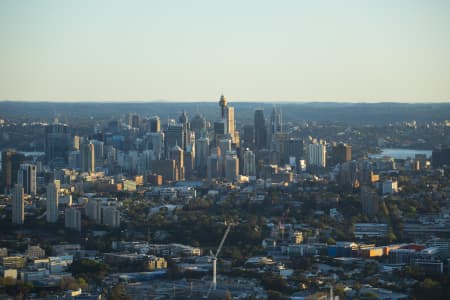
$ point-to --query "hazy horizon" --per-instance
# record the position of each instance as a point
(174, 51)
(230, 101)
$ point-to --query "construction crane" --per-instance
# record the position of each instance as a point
(215, 256)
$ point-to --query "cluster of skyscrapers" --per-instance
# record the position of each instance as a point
(181, 149)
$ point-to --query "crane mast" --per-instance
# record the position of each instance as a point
(214, 280)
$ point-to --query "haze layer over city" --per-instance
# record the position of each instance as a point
(224, 150)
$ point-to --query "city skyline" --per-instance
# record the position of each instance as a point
(296, 51)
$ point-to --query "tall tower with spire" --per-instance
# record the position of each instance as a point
(223, 105)
(227, 117)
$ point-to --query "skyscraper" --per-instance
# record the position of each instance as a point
(260, 129)
(52, 201)
(276, 122)
(57, 144)
(74, 160)
(440, 156)
(342, 153)
(214, 166)
(174, 136)
(224, 145)
(223, 104)
(11, 161)
(198, 125)
(231, 166)
(227, 116)
(155, 124)
(292, 147)
(248, 136)
(184, 120)
(317, 155)
(202, 153)
(189, 160)
(26, 176)
(220, 128)
(155, 142)
(177, 154)
(249, 165)
(133, 120)
(167, 168)
(98, 153)
(87, 157)
(76, 142)
(18, 205)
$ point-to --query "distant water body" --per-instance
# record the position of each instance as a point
(399, 153)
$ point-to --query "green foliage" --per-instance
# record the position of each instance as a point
(89, 269)
(118, 292)
(275, 295)
(302, 263)
(369, 296)
(429, 283)
(274, 283)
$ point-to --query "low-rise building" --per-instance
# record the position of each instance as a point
(370, 230)
(13, 262)
(34, 252)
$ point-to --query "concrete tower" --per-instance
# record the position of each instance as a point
(223, 105)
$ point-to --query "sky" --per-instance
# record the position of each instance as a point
(316, 50)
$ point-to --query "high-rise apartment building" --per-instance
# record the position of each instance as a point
(111, 216)
(317, 155)
(26, 176)
(87, 157)
(249, 164)
(53, 201)
(72, 218)
(231, 166)
(18, 205)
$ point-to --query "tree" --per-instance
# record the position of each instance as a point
(274, 282)
(68, 283)
(89, 269)
(275, 295)
(118, 292)
(429, 283)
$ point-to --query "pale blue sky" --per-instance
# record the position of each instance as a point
(349, 50)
